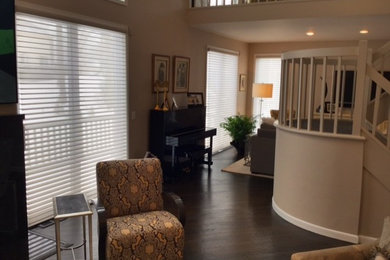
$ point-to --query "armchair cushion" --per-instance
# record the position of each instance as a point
(268, 121)
(382, 250)
(152, 235)
(130, 186)
(131, 216)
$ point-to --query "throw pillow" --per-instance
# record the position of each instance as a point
(268, 120)
(378, 253)
(382, 250)
(384, 241)
(274, 114)
(380, 256)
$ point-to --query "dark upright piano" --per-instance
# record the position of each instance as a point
(179, 134)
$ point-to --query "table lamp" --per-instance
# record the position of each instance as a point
(262, 90)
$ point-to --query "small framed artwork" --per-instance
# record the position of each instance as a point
(242, 85)
(181, 74)
(160, 72)
(195, 99)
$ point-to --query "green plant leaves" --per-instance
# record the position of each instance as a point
(239, 127)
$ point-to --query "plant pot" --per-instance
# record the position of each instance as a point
(240, 147)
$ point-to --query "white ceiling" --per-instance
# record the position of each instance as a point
(326, 29)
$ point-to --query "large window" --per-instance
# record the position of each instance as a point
(72, 90)
(221, 93)
(267, 70)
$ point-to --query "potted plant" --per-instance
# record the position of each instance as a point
(239, 128)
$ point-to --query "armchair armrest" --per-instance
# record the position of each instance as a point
(102, 230)
(174, 204)
(352, 252)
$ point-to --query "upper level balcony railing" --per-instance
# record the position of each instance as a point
(337, 91)
(214, 3)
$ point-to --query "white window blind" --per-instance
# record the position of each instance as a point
(221, 93)
(72, 90)
(267, 71)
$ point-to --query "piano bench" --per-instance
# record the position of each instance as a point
(195, 153)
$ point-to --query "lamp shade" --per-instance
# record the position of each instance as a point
(262, 90)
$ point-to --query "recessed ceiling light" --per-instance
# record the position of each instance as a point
(310, 33)
(363, 31)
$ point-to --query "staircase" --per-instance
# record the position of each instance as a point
(376, 171)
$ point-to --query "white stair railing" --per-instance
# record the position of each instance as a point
(377, 113)
(216, 3)
(318, 90)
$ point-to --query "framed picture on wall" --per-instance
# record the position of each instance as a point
(181, 74)
(195, 99)
(242, 83)
(160, 72)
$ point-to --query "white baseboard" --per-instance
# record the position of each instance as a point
(352, 238)
(366, 239)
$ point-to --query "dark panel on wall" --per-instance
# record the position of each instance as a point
(13, 213)
(8, 85)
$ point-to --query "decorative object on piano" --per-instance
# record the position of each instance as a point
(161, 87)
(181, 74)
(195, 99)
(239, 128)
(180, 99)
(242, 85)
(174, 104)
(160, 72)
(165, 104)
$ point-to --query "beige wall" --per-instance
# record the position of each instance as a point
(322, 189)
(155, 27)
(374, 205)
(375, 189)
(349, 191)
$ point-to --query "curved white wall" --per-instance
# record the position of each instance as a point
(318, 182)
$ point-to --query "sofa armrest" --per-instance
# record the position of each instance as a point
(102, 230)
(353, 252)
(262, 152)
(174, 204)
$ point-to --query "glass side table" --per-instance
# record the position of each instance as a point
(68, 207)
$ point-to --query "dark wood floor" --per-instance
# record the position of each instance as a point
(228, 216)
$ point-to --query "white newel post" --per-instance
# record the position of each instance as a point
(367, 90)
(388, 131)
(360, 85)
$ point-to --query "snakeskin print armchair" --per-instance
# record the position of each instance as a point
(136, 220)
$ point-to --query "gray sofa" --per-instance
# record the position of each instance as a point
(262, 150)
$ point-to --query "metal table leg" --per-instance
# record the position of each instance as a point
(58, 238)
(84, 239)
(90, 236)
